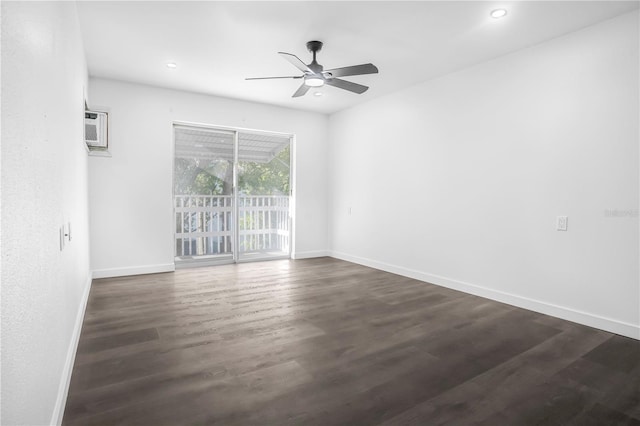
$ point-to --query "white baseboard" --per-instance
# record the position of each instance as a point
(135, 270)
(309, 254)
(580, 317)
(65, 379)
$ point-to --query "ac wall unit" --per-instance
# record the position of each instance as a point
(96, 125)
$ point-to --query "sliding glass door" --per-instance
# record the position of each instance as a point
(263, 196)
(232, 194)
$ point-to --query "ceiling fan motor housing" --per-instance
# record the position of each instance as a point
(314, 46)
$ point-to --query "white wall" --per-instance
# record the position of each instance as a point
(458, 181)
(131, 192)
(44, 184)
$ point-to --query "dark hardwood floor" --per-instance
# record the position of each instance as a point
(326, 342)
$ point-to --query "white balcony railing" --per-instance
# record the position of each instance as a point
(204, 224)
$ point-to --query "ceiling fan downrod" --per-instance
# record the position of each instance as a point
(315, 46)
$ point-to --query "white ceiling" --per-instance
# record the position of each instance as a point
(217, 44)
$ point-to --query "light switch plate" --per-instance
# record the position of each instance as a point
(561, 223)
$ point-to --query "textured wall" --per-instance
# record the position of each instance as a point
(459, 180)
(44, 184)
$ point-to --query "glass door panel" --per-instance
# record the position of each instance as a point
(263, 196)
(203, 194)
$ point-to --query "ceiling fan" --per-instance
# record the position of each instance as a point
(315, 75)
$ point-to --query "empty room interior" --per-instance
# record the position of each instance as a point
(320, 213)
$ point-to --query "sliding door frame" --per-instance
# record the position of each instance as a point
(236, 208)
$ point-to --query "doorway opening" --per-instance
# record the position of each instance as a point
(232, 195)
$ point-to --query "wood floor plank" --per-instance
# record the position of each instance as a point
(97, 344)
(618, 353)
(601, 415)
(618, 390)
(492, 391)
(327, 342)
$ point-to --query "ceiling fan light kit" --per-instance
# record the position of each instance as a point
(314, 74)
(313, 81)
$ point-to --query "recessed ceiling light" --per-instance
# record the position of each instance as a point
(318, 94)
(172, 65)
(498, 13)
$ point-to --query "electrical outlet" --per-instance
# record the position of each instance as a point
(561, 223)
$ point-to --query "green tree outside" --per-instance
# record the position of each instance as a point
(197, 177)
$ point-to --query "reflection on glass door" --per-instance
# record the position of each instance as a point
(264, 186)
(203, 194)
(231, 195)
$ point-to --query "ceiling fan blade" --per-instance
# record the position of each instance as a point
(269, 78)
(302, 90)
(346, 85)
(353, 70)
(295, 61)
